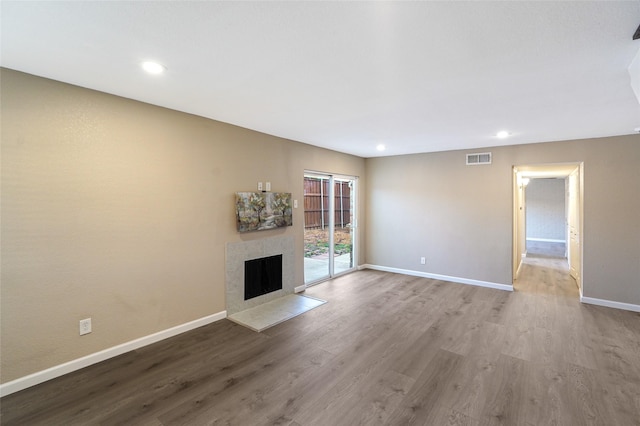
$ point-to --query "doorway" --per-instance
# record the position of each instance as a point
(548, 221)
(329, 226)
(546, 217)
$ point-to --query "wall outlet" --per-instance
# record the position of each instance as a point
(295, 204)
(85, 326)
(423, 260)
(259, 186)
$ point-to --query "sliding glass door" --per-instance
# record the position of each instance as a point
(329, 225)
(343, 229)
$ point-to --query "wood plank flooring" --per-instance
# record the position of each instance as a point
(546, 249)
(386, 350)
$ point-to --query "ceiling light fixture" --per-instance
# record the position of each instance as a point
(381, 147)
(153, 67)
(503, 134)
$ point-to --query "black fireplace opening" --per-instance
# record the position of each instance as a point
(262, 276)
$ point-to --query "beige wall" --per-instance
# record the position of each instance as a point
(460, 217)
(120, 211)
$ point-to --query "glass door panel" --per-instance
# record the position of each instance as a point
(343, 230)
(316, 228)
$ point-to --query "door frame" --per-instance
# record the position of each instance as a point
(551, 170)
(576, 273)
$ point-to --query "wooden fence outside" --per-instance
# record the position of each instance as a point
(316, 203)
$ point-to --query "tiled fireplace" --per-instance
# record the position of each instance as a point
(239, 252)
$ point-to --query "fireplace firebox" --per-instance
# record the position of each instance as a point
(262, 276)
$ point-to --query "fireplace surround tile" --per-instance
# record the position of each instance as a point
(238, 252)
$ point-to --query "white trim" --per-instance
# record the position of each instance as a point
(478, 283)
(299, 289)
(520, 266)
(580, 291)
(94, 358)
(610, 303)
(547, 240)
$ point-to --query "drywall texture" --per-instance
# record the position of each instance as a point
(460, 217)
(120, 211)
(546, 216)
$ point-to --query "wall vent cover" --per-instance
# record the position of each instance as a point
(478, 158)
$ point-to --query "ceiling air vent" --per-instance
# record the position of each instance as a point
(478, 158)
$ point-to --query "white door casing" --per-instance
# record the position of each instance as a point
(573, 225)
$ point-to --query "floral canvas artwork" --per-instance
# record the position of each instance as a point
(257, 211)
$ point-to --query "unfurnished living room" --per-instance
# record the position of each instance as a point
(320, 213)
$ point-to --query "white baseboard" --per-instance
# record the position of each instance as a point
(546, 240)
(300, 289)
(468, 281)
(94, 358)
(609, 303)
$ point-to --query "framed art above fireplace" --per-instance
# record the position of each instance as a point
(258, 211)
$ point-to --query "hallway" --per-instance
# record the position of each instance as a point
(545, 271)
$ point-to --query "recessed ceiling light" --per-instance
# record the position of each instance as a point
(381, 147)
(153, 67)
(503, 134)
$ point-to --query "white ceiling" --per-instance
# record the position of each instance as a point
(415, 76)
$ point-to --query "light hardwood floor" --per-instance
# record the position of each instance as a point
(386, 349)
